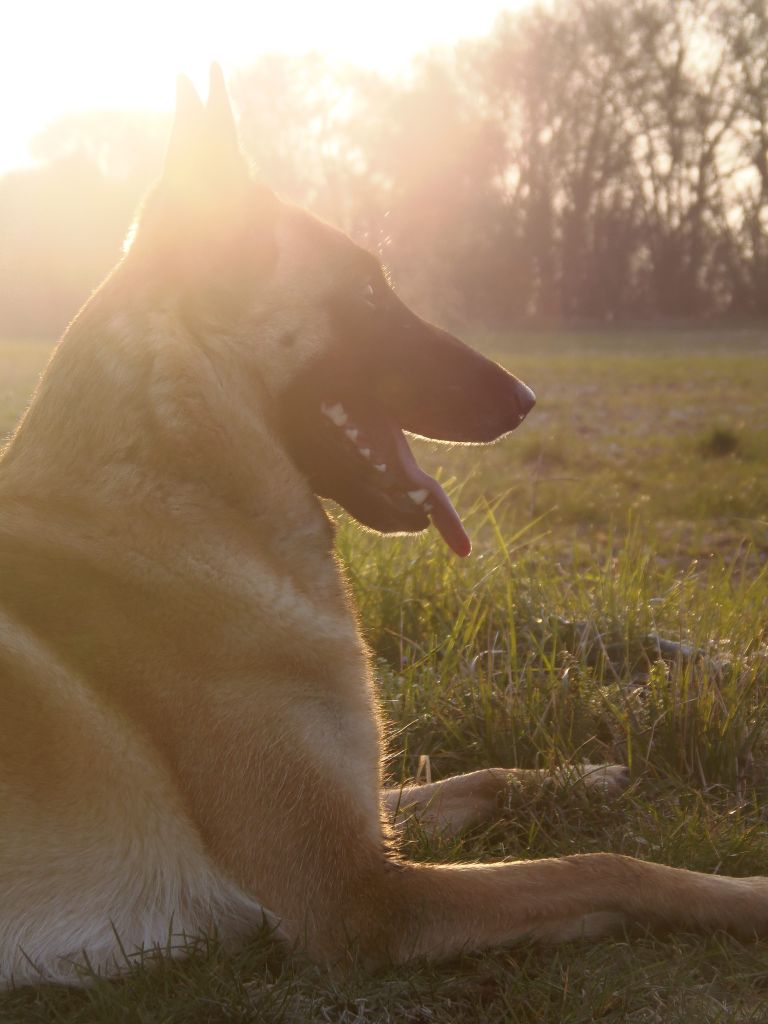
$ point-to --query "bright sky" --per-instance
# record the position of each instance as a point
(75, 55)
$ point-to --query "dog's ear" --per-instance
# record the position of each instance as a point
(207, 223)
(203, 153)
(222, 130)
(187, 131)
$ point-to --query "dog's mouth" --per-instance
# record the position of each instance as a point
(377, 448)
(345, 417)
(348, 436)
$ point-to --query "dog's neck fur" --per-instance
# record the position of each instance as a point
(204, 437)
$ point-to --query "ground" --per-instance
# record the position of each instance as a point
(615, 608)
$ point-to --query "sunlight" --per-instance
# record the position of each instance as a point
(101, 56)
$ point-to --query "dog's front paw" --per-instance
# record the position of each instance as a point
(609, 779)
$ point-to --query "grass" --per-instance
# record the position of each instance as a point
(615, 608)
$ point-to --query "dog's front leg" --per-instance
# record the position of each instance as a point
(440, 911)
(463, 801)
(307, 844)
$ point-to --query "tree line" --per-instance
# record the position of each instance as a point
(590, 161)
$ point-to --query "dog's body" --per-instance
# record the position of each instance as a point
(189, 740)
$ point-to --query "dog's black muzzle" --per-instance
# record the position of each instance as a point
(435, 386)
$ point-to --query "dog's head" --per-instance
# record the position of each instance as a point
(347, 365)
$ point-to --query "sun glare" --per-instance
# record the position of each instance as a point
(57, 59)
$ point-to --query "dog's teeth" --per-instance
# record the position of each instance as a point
(365, 452)
(419, 497)
(352, 434)
(382, 467)
(335, 413)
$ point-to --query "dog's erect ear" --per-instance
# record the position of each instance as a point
(208, 224)
(187, 132)
(221, 125)
(203, 151)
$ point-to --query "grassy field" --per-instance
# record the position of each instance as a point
(615, 609)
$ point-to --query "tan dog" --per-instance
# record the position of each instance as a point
(188, 732)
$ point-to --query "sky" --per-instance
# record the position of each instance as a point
(78, 55)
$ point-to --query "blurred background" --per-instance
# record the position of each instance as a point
(582, 162)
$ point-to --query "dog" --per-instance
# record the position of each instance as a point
(189, 739)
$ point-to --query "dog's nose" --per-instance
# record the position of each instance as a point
(524, 397)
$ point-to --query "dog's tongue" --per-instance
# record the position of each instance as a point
(444, 516)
